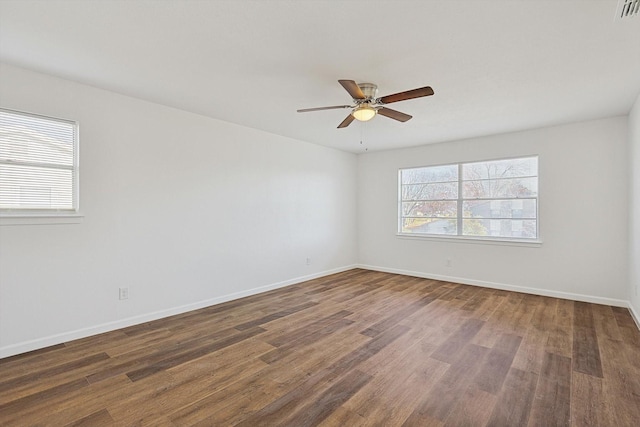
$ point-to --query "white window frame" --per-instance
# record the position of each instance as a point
(511, 241)
(18, 216)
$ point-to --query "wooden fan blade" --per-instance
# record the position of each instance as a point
(335, 107)
(353, 89)
(402, 96)
(346, 122)
(393, 114)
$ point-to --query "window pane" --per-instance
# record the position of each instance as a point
(430, 209)
(500, 188)
(499, 199)
(37, 162)
(445, 173)
(500, 227)
(430, 226)
(27, 187)
(439, 191)
(25, 138)
(519, 208)
(496, 169)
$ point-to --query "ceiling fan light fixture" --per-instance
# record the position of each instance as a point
(364, 112)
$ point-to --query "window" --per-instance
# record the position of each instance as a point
(495, 199)
(38, 164)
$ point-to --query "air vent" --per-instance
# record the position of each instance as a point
(627, 9)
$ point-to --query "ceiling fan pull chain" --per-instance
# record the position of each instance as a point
(362, 125)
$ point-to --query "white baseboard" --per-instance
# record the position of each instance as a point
(502, 286)
(25, 346)
(634, 315)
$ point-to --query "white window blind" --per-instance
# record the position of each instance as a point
(38, 163)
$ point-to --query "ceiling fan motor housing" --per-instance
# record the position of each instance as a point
(369, 90)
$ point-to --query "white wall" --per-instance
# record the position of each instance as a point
(583, 213)
(184, 210)
(634, 203)
(188, 211)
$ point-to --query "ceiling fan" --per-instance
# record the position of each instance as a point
(366, 105)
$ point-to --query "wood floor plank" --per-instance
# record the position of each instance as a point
(498, 363)
(305, 362)
(589, 405)
(170, 393)
(328, 401)
(621, 382)
(628, 328)
(178, 344)
(303, 331)
(356, 348)
(391, 396)
(473, 408)
(514, 402)
(74, 405)
(41, 384)
(392, 399)
(491, 304)
(552, 401)
(417, 343)
(11, 411)
(34, 356)
(443, 396)
(99, 418)
(274, 316)
(230, 405)
(586, 352)
(560, 338)
(544, 316)
(52, 371)
(286, 405)
(605, 322)
(312, 336)
(450, 349)
(343, 417)
(504, 315)
(396, 317)
(196, 353)
(532, 348)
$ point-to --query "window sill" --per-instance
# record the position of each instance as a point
(43, 219)
(534, 243)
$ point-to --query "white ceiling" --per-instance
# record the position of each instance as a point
(495, 65)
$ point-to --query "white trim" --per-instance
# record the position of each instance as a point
(533, 243)
(41, 219)
(502, 286)
(25, 346)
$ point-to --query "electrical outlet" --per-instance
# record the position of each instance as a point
(308, 261)
(448, 263)
(124, 293)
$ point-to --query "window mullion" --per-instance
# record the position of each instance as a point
(459, 206)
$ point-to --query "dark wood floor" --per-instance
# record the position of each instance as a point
(351, 349)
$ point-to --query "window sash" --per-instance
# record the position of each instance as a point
(38, 164)
(509, 212)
